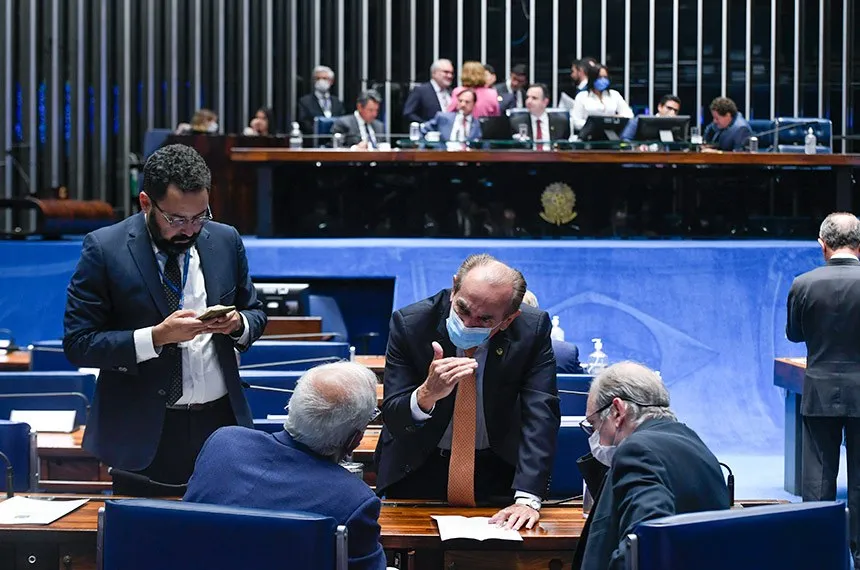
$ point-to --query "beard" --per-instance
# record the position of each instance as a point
(173, 246)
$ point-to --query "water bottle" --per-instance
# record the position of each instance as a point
(753, 144)
(557, 333)
(597, 360)
(810, 142)
(295, 137)
(414, 131)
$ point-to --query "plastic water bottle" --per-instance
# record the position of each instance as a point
(295, 137)
(587, 500)
(597, 360)
(557, 333)
(753, 144)
(414, 131)
(810, 142)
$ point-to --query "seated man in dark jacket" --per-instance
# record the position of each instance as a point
(657, 465)
(297, 469)
(728, 130)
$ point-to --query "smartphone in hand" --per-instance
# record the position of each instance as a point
(215, 312)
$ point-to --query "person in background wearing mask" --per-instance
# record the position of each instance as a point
(320, 103)
(204, 122)
(471, 403)
(262, 125)
(297, 468)
(599, 99)
(657, 466)
(579, 79)
(167, 379)
(669, 106)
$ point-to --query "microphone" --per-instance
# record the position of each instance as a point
(573, 392)
(730, 482)
(784, 128)
(266, 388)
(287, 362)
(10, 476)
(143, 479)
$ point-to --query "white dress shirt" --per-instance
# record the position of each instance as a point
(544, 130)
(482, 439)
(518, 95)
(202, 378)
(366, 130)
(457, 133)
(587, 103)
(442, 95)
(324, 100)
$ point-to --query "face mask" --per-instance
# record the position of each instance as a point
(212, 128)
(602, 453)
(464, 337)
(601, 83)
(322, 85)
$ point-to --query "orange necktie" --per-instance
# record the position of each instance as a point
(461, 466)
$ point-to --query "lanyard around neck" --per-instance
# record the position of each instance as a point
(180, 291)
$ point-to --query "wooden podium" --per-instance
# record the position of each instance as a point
(788, 374)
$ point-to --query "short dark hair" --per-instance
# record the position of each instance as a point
(840, 229)
(176, 164)
(542, 86)
(369, 95)
(670, 97)
(472, 91)
(489, 68)
(585, 63)
(519, 69)
(724, 106)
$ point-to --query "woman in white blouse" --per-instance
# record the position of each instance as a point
(598, 99)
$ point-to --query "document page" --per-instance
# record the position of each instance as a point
(23, 510)
(476, 528)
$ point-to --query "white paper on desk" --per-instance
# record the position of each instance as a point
(476, 528)
(22, 510)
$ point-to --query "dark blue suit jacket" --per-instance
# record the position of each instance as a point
(521, 406)
(566, 357)
(444, 123)
(422, 104)
(243, 467)
(734, 137)
(115, 290)
(661, 469)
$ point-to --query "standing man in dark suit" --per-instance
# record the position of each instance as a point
(168, 380)
(471, 404)
(824, 312)
(297, 469)
(321, 102)
(512, 92)
(657, 465)
(362, 130)
(432, 97)
(540, 125)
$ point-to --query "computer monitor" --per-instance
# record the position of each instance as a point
(603, 128)
(495, 128)
(282, 299)
(664, 129)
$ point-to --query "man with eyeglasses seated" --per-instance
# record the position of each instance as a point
(657, 466)
(669, 106)
(297, 469)
(168, 379)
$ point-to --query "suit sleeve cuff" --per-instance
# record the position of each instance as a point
(526, 498)
(143, 347)
(418, 415)
(246, 332)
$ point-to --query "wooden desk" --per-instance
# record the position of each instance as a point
(18, 361)
(375, 362)
(266, 159)
(294, 326)
(788, 374)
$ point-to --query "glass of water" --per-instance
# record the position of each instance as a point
(696, 134)
(524, 132)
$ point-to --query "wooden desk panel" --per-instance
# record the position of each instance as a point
(18, 361)
(294, 326)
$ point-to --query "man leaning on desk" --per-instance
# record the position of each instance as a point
(471, 405)
(167, 380)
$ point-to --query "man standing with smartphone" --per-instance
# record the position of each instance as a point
(168, 379)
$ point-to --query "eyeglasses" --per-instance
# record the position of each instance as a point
(586, 424)
(674, 110)
(178, 221)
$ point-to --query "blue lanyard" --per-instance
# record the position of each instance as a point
(170, 284)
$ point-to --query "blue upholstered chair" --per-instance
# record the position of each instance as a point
(791, 138)
(153, 139)
(758, 126)
(265, 402)
(332, 319)
(573, 404)
(572, 443)
(47, 391)
(271, 355)
(322, 127)
(49, 355)
(141, 534)
(792, 536)
(18, 443)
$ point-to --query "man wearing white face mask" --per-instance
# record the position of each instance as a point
(471, 405)
(657, 465)
(321, 102)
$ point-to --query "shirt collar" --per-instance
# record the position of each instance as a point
(436, 86)
(843, 256)
(359, 119)
(582, 84)
(542, 117)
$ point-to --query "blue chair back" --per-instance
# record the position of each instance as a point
(792, 536)
(47, 391)
(322, 126)
(332, 319)
(572, 444)
(758, 126)
(153, 139)
(19, 445)
(49, 355)
(291, 354)
(791, 139)
(268, 402)
(573, 404)
(141, 534)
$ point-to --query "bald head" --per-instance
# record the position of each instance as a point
(840, 232)
(485, 271)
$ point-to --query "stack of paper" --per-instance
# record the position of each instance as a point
(22, 510)
(475, 528)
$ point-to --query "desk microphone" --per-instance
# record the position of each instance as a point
(143, 479)
(266, 388)
(573, 392)
(730, 482)
(784, 128)
(10, 476)
(287, 362)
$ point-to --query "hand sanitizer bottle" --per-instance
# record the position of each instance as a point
(810, 142)
(597, 360)
(557, 333)
(296, 137)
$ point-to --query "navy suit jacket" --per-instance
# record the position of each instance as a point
(241, 467)
(444, 123)
(115, 290)
(661, 469)
(422, 104)
(734, 137)
(521, 406)
(566, 357)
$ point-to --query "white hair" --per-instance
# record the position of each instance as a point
(331, 402)
(639, 386)
(435, 65)
(530, 299)
(324, 69)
